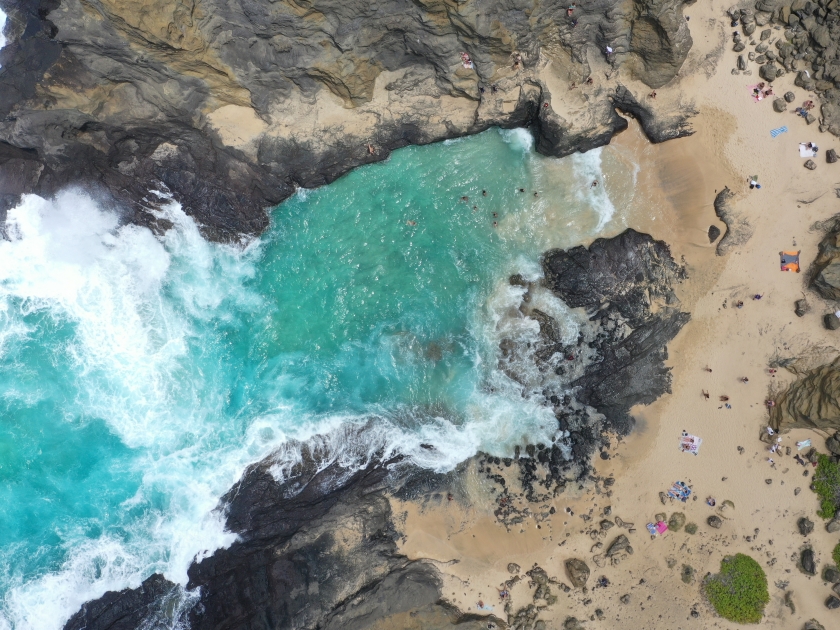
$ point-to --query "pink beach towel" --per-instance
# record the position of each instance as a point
(661, 526)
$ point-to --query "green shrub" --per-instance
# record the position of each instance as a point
(835, 555)
(691, 528)
(827, 486)
(739, 591)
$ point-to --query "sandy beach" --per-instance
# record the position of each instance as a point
(732, 141)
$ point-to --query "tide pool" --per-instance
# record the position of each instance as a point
(140, 374)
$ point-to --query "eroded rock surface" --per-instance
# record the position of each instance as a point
(317, 550)
(812, 401)
(229, 106)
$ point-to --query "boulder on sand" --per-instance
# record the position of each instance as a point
(715, 521)
(578, 572)
(805, 525)
(832, 603)
(807, 563)
(779, 105)
(768, 71)
(833, 443)
(800, 307)
(831, 321)
(813, 624)
(833, 526)
(618, 545)
(831, 574)
(810, 165)
(831, 156)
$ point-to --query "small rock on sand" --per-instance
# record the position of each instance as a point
(831, 156)
(618, 545)
(714, 521)
(714, 232)
(832, 603)
(813, 624)
(831, 321)
(810, 165)
(790, 97)
(805, 525)
(513, 568)
(578, 572)
(800, 307)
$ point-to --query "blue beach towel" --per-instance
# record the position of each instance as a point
(776, 132)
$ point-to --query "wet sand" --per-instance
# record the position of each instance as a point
(677, 183)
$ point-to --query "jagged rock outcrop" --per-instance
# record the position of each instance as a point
(738, 229)
(812, 401)
(317, 550)
(626, 284)
(230, 105)
(825, 272)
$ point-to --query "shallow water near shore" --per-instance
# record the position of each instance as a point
(141, 374)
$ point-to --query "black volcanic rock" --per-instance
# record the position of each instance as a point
(230, 105)
(317, 550)
(627, 279)
(127, 609)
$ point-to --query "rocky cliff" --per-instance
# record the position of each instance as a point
(228, 106)
(812, 401)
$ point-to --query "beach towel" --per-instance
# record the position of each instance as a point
(690, 443)
(777, 131)
(789, 261)
(679, 491)
(752, 89)
(803, 444)
(652, 529)
(661, 527)
(805, 152)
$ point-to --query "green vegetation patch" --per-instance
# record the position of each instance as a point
(827, 486)
(739, 592)
(835, 555)
(691, 528)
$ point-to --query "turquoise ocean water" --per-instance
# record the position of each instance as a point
(140, 374)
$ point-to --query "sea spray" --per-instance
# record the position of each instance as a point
(141, 374)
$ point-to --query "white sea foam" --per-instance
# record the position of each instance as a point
(2, 29)
(587, 167)
(69, 258)
(518, 138)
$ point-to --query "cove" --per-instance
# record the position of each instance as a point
(140, 374)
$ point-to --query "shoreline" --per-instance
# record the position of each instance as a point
(471, 548)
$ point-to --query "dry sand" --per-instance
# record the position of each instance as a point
(732, 141)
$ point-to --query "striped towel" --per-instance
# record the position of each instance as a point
(776, 132)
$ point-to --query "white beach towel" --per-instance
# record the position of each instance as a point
(805, 152)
